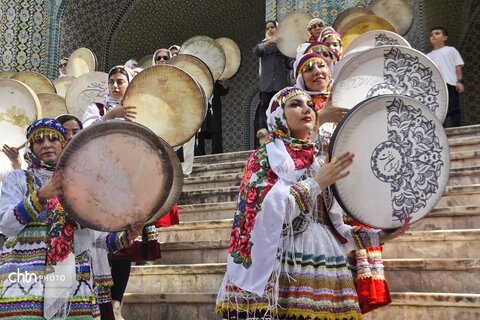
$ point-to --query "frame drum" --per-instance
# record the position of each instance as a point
(80, 62)
(232, 55)
(391, 70)
(87, 89)
(19, 107)
(401, 165)
(169, 101)
(116, 174)
(208, 50)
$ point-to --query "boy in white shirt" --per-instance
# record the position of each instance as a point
(450, 63)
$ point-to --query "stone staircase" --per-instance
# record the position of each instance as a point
(433, 271)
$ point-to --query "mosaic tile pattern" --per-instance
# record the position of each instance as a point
(23, 35)
(86, 23)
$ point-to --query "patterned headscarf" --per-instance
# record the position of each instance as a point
(328, 33)
(42, 127)
(264, 192)
(323, 49)
(319, 98)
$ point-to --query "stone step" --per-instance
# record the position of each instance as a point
(403, 275)
(464, 195)
(464, 143)
(207, 211)
(212, 237)
(450, 218)
(433, 275)
(222, 157)
(464, 159)
(211, 169)
(212, 182)
(464, 176)
(404, 306)
(428, 305)
(435, 244)
(209, 195)
(170, 306)
(464, 131)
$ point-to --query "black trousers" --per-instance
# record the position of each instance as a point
(120, 275)
(217, 146)
(454, 111)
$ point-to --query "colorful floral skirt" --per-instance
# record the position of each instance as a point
(314, 282)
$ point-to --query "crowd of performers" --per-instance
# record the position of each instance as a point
(293, 253)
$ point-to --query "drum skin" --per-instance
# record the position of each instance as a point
(198, 70)
(87, 89)
(292, 32)
(401, 165)
(169, 101)
(375, 38)
(391, 70)
(348, 15)
(62, 84)
(360, 25)
(19, 107)
(52, 105)
(232, 55)
(368, 40)
(80, 62)
(398, 12)
(116, 173)
(36, 81)
(208, 50)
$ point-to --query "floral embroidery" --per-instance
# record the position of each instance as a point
(258, 178)
(60, 236)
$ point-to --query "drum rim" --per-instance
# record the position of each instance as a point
(175, 189)
(339, 128)
(97, 130)
(352, 61)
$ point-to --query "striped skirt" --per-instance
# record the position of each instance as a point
(313, 282)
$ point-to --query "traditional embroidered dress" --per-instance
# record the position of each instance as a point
(287, 254)
(46, 266)
(367, 264)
